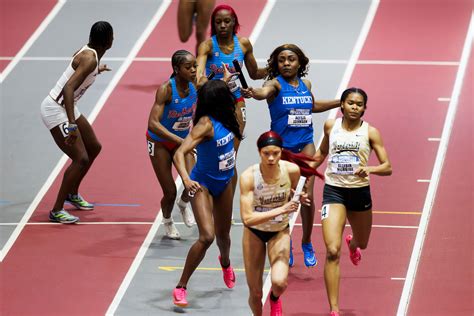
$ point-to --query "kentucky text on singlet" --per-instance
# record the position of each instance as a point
(291, 114)
(216, 157)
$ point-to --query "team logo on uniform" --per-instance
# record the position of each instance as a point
(216, 54)
(176, 101)
(259, 186)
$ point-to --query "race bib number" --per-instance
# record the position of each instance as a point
(151, 148)
(244, 114)
(63, 129)
(325, 211)
(182, 124)
(278, 219)
(227, 161)
(344, 164)
(299, 118)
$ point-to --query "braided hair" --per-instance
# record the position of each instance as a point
(178, 58)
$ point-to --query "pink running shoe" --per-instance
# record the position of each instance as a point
(275, 308)
(179, 297)
(354, 255)
(229, 275)
(334, 313)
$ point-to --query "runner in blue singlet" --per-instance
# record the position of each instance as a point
(291, 104)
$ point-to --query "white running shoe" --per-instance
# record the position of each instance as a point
(186, 213)
(170, 229)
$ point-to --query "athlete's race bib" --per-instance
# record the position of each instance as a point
(227, 161)
(299, 118)
(344, 164)
(182, 124)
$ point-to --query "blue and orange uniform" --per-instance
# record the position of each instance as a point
(178, 115)
(214, 63)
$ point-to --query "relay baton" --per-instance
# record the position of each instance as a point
(243, 82)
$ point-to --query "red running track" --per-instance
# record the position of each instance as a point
(56, 267)
(19, 20)
(403, 105)
(445, 270)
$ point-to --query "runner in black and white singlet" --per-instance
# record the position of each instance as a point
(71, 131)
(348, 142)
(168, 124)
(264, 206)
(291, 104)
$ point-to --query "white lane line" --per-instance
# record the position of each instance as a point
(31, 40)
(397, 279)
(423, 180)
(444, 99)
(332, 114)
(95, 111)
(434, 139)
(435, 177)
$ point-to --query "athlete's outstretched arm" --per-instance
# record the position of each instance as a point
(384, 168)
(270, 88)
(199, 133)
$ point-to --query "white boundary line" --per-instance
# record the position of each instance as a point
(31, 40)
(95, 111)
(342, 86)
(435, 176)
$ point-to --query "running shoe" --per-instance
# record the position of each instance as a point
(334, 313)
(179, 297)
(229, 275)
(309, 256)
(62, 217)
(170, 229)
(276, 308)
(78, 201)
(291, 262)
(186, 213)
(354, 255)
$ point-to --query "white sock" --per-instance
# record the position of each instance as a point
(181, 203)
(167, 220)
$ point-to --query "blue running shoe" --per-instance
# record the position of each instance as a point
(309, 256)
(291, 262)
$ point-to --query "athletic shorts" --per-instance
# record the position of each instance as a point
(264, 236)
(151, 137)
(215, 187)
(54, 114)
(298, 148)
(354, 199)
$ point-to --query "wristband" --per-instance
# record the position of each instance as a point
(71, 127)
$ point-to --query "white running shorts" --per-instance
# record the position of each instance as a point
(54, 114)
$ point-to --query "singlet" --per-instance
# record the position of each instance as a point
(57, 92)
(216, 157)
(178, 115)
(269, 196)
(214, 63)
(348, 150)
(291, 114)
